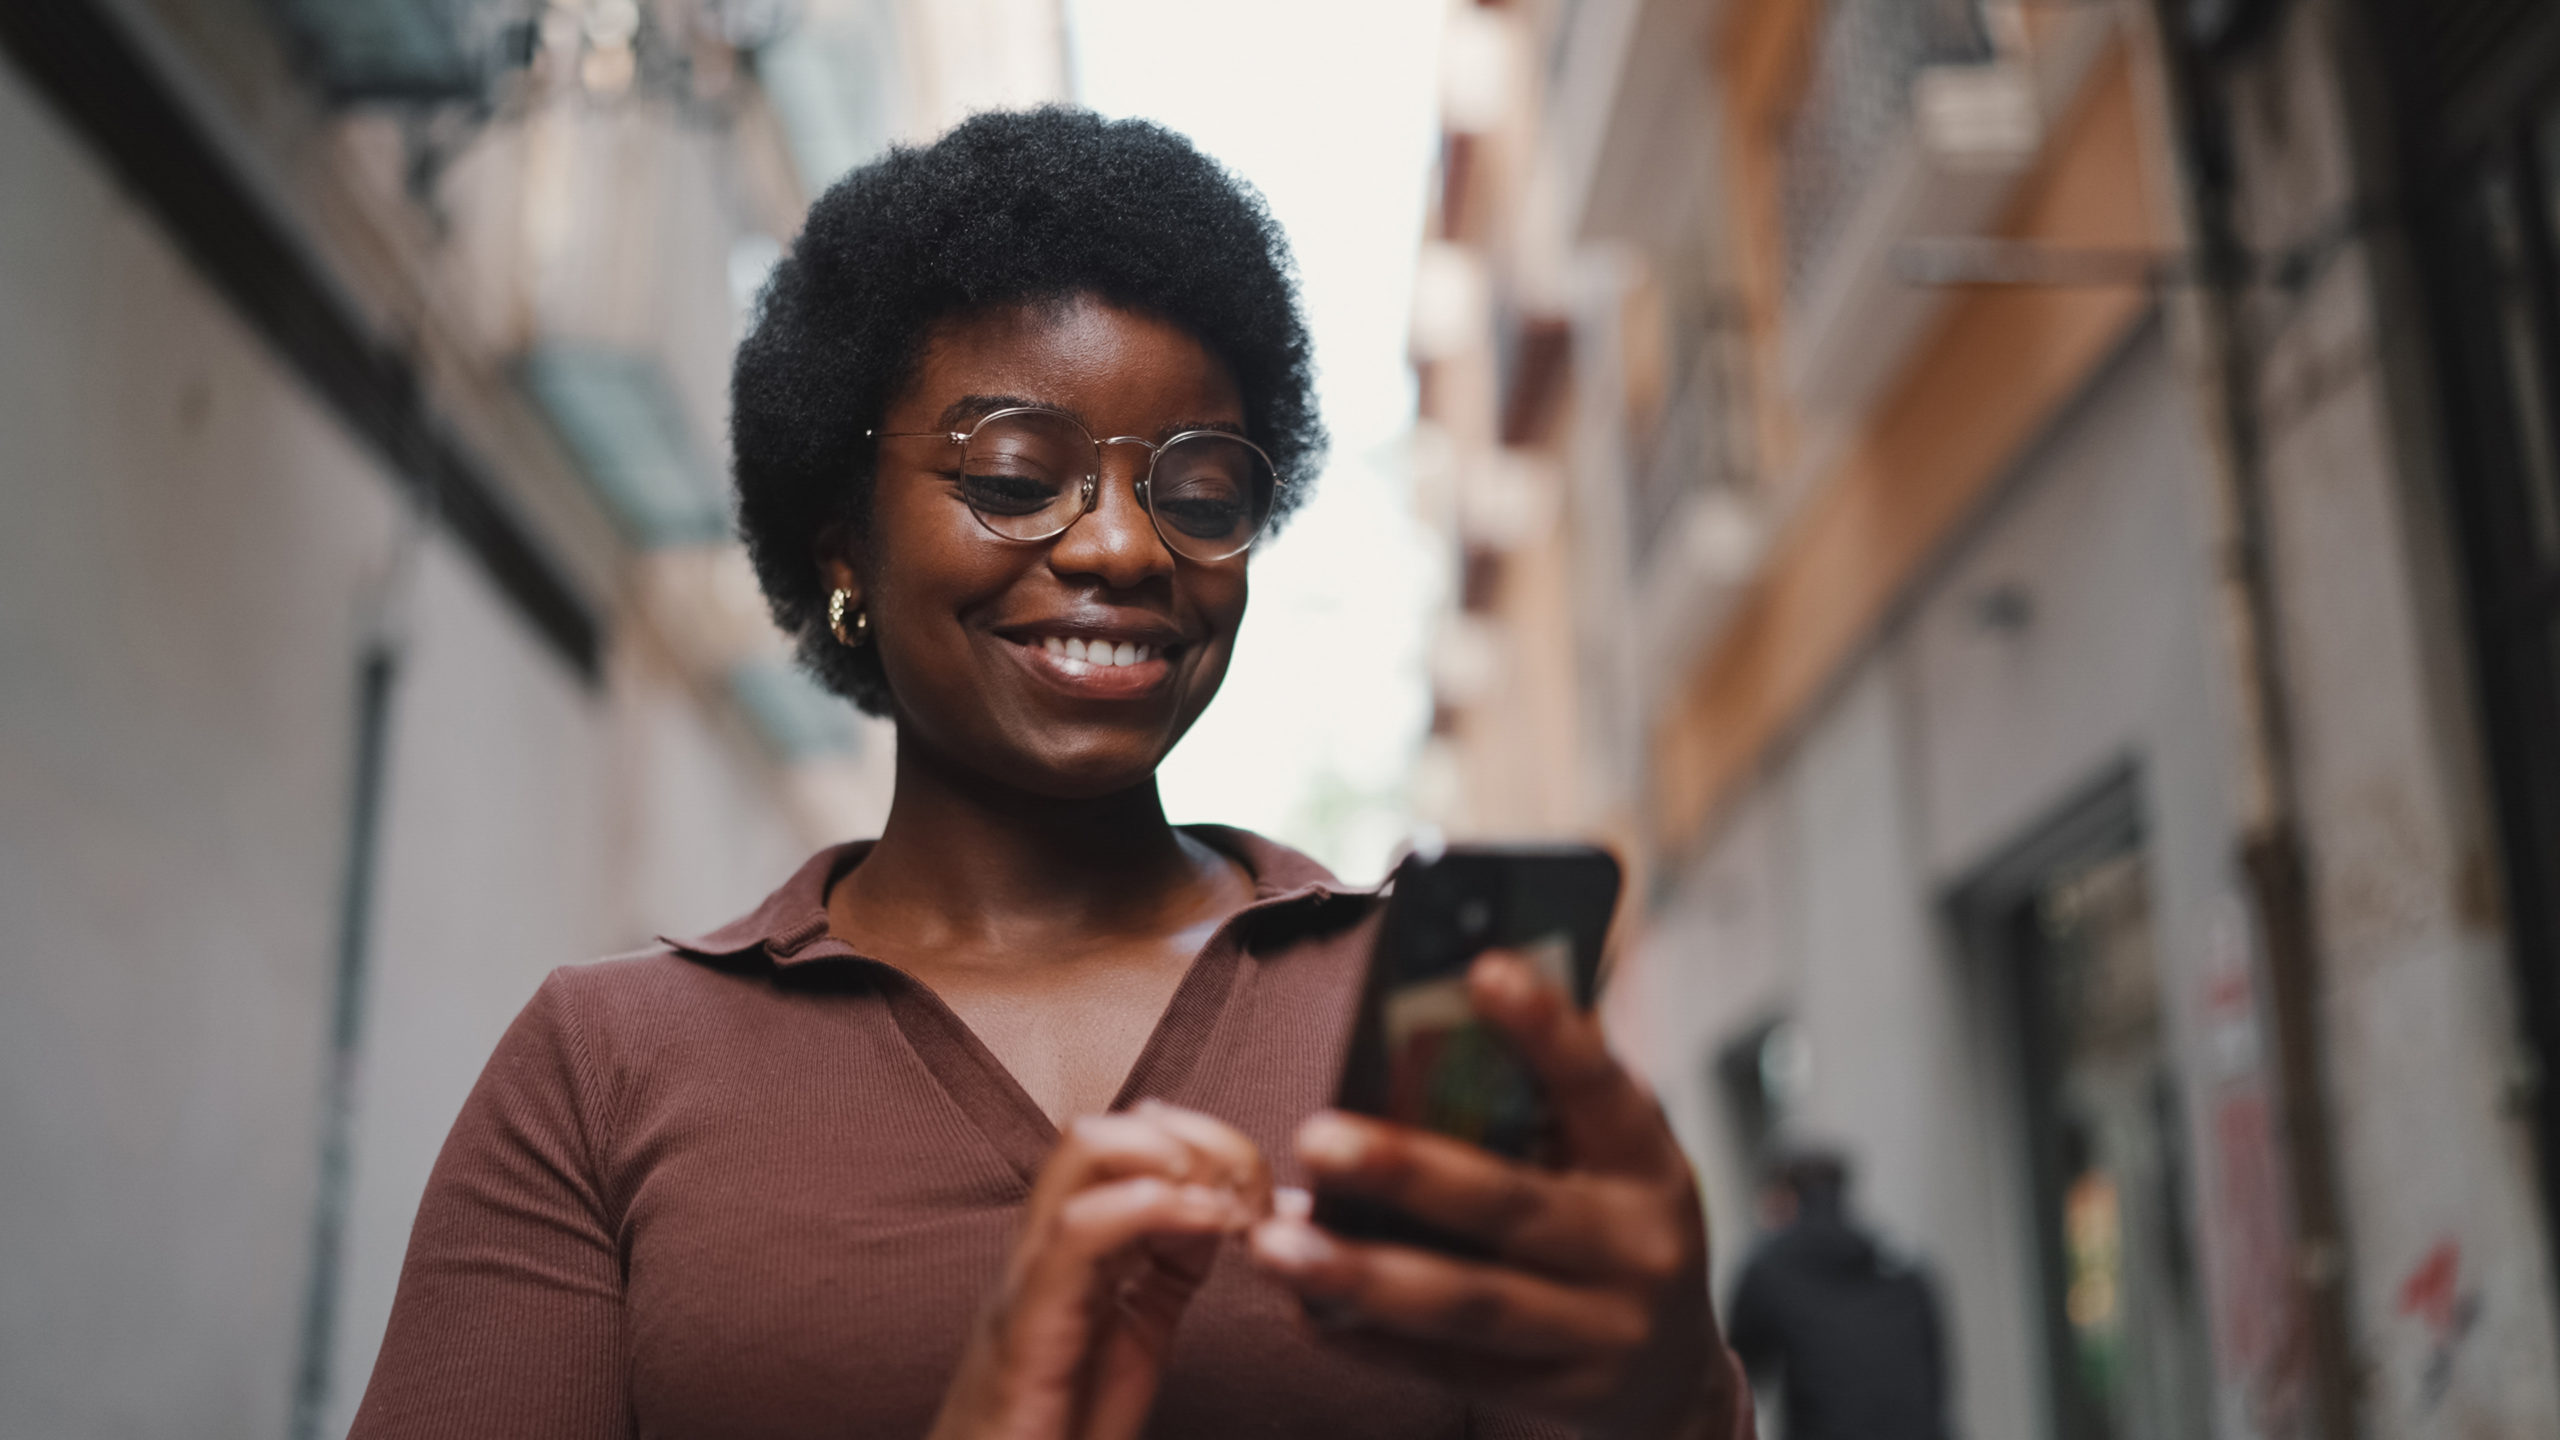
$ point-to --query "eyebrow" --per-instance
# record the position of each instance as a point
(968, 409)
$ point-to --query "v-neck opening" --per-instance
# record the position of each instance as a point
(995, 1099)
(790, 929)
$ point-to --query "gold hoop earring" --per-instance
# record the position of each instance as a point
(861, 630)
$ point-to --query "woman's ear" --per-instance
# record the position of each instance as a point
(840, 576)
(847, 619)
(835, 567)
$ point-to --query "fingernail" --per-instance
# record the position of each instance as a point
(1291, 1244)
(1290, 1202)
(1327, 1140)
(1509, 980)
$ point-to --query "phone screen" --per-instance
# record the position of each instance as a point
(1419, 1055)
(1448, 1071)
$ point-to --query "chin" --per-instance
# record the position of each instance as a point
(1089, 772)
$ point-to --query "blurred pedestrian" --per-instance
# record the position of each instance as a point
(1849, 1331)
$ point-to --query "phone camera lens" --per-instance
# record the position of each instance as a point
(1473, 917)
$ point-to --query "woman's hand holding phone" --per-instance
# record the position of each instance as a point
(1120, 1231)
(1595, 1307)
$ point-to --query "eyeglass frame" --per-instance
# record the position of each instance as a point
(1093, 477)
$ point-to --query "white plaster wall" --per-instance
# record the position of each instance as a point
(1900, 1072)
(186, 543)
(531, 823)
(1716, 959)
(1868, 1000)
(182, 537)
(2423, 1044)
(2098, 537)
(492, 870)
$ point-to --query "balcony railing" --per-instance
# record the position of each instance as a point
(1856, 101)
(466, 52)
(1701, 441)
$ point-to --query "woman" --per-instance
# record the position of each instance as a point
(974, 1130)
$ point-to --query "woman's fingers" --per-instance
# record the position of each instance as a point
(1219, 1146)
(1422, 1296)
(1096, 1148)
(1096, 1224)
(1108, 1218)
(1117, 1180)
(1122, 1226)
(1595, 1308)
(1032, 1362)
(1156, 1173)
(1574, 1226)
(1610, 1122)
(1152, 1139)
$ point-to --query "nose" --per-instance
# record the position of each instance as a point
(1116, 543)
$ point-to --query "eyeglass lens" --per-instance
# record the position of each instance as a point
(1024, 474)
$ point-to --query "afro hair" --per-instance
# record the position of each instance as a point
(1009, 207)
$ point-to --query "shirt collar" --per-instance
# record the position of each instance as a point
(791, 924)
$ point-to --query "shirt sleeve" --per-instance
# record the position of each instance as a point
(509, 1315)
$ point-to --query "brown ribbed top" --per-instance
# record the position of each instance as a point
(758, 1185)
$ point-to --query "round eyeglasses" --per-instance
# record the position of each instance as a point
(1028, 474)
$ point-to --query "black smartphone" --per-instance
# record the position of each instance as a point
(1418, 1054)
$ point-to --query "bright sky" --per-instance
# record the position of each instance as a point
(1329, 107)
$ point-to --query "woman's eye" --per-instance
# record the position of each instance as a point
(1000, 494)
(1204, 516)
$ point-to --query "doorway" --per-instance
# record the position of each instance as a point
(2064, 925)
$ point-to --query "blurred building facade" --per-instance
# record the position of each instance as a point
(2034, 527)
(370, 638)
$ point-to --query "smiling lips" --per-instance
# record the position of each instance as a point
(1096, 668)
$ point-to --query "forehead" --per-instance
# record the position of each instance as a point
(1124, 368)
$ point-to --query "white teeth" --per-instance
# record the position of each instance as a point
(1098, 652)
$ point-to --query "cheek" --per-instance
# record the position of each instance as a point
(1221, 602)
(924, 573)
(924, 565)
(1239, 590)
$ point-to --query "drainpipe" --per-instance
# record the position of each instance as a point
(2270, 851)
(375, 673)
(377, 677)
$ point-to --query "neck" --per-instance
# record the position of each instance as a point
(967, 854)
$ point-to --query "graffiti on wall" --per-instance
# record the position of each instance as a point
(2432, 1294)
(2258, 1333)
